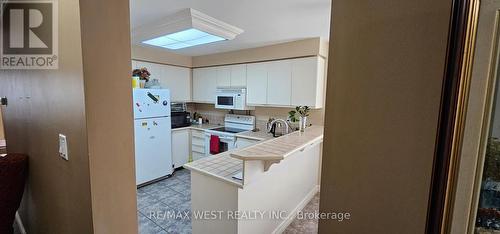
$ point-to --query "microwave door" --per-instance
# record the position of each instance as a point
(225, 102)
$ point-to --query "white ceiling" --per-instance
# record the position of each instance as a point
(265, 22)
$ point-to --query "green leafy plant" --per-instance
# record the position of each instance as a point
(292, 116)
(302, 111)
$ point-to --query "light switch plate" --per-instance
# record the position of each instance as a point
(63, 146)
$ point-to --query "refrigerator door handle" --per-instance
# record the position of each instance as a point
(152, 97)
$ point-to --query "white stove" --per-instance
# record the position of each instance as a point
(233, 124)
(228, 130)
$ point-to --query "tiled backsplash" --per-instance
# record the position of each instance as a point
(262, 114)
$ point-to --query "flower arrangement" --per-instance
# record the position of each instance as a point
(142, 73)
(303, 112)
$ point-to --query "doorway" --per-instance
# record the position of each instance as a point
(192, 89)
(478, 176)
(473, 191)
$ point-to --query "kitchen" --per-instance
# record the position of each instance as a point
(222, 99)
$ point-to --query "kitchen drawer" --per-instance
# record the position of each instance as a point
(197, 156)
(198, 133)
(198, 149)
(198, 141)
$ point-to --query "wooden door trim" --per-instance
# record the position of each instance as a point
(455, 90)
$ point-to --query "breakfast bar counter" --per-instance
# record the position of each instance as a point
(281, 147)
(220, 166)
(287, 166)
(261, 135)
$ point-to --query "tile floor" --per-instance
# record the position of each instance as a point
(299, 226)
(159, 202)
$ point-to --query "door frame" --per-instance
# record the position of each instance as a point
(453, 107)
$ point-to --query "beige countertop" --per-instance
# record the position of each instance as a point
(224, 165)
(281, 147)
(199, 127)
(260, 135)
(221, 166)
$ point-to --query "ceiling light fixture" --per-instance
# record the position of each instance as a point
(183, 29)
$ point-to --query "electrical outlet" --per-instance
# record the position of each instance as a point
(63, 146)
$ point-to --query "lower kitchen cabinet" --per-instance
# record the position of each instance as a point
(180, 147)
(198, 150)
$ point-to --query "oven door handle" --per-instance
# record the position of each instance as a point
(225, 138)
(220, 137)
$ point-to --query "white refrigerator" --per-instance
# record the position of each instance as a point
(152, 126)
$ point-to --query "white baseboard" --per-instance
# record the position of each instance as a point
(281, 228)
(19, 223)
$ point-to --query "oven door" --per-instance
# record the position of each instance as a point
(225, 101)
(225, 143)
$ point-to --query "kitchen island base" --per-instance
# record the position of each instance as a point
(267, 201)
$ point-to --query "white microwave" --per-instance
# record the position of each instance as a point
(232, 99)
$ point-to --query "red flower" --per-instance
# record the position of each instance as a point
(142, 73)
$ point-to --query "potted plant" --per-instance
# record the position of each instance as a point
(143, 75)
(303, 112)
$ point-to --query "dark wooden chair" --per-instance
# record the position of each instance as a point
(13, 174)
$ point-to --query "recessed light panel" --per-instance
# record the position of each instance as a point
(186, 28)
(183, 39)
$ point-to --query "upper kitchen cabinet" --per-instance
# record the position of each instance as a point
(204, 84)
(140, 64)
(238, 75)
(155, 70)
(134, 64)
(232, 76)
(257, 83)
(176, 79)
(279, 83)
(289, 82)
(207, 79)
(223, 76)
(308, 81)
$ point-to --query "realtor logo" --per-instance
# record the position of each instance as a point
(28, 35)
